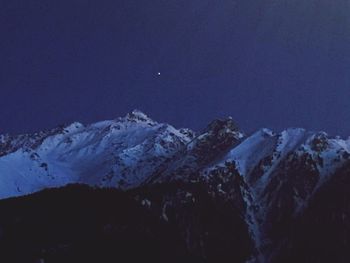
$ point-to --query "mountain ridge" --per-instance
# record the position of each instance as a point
(267, 177)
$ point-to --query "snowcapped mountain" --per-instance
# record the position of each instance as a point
(268, 181)
(120, 153)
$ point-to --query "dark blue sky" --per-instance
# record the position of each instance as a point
(266, 63)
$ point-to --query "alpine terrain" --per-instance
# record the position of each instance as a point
(133, 190)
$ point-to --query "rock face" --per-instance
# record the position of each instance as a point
(221, 195)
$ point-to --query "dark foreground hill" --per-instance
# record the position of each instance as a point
(169, 222)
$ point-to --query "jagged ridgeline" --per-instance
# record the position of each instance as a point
(160, 194)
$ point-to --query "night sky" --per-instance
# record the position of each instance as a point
(266, 63)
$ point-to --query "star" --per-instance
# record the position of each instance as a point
(158, 73)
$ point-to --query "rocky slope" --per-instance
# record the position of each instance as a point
(229, 197)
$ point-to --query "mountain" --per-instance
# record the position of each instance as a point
(122, 153)
(219, 195)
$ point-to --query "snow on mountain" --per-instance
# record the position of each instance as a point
(132, 150)
(204, 150)
(267, 176)
(120, 153)
(281, 173)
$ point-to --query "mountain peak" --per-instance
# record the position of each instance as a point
(138, 116)
(224, 125)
